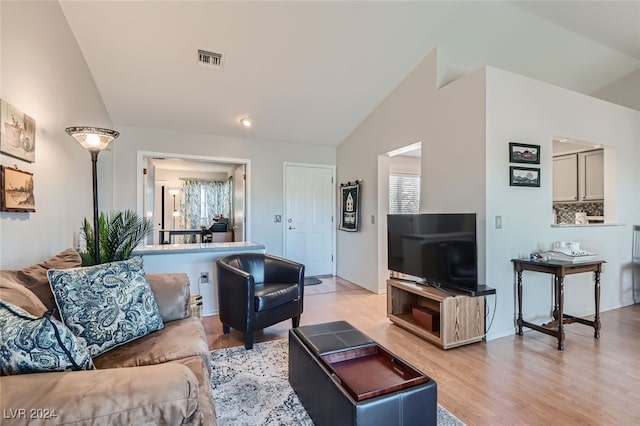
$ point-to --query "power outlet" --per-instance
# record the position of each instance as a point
(204, 277)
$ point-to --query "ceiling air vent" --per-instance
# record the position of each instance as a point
(210, 59)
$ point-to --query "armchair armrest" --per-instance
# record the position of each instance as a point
(165, 393)
(172, 293)
(236, 288)
(277, 269)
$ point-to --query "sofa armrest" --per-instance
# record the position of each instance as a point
(172, 293)
(156, 394)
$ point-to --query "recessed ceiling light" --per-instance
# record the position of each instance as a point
(246, 122)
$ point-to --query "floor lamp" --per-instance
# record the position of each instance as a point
(94, 139)
(176, 213)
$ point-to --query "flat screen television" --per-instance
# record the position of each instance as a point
(440, 249)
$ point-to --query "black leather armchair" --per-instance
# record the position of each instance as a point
(258, 290)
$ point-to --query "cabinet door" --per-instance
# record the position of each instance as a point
(565, 178)
(591, 165)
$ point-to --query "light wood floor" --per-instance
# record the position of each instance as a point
(508, 381)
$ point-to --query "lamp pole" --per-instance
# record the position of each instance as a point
(174, 211)
(94, 139)
(96, 234)
(174, 192)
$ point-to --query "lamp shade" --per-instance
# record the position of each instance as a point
(92, 138)
(174, 192)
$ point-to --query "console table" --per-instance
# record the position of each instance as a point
(559, 270)
(457, 319)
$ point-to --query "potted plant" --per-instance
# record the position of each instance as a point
(119, 233)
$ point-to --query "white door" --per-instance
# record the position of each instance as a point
(239, 179)
(308, 217)
(148, 201)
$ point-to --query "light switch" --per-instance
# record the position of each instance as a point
(373, 219)
(278, 218)
(498, 222)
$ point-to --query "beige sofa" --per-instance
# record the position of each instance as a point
(160, 379)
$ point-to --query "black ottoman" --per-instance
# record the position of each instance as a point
(342, 377)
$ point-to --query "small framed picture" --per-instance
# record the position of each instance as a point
(524, 153)
(17, 133)
(16, 190)
(524, 176)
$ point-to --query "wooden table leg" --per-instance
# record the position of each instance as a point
(519, 321)
(596, 321)
(555, 298)
(560, 302)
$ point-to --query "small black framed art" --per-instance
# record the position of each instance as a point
(524, 153)
(524, 176)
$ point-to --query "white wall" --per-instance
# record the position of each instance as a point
(405, 164)
(266, 174)
(525, 110)
(450, 124)
(401, 119)
(44, 74)
(465, 129)
(624, 91)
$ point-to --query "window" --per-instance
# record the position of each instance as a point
(404, 193)
(205, 201)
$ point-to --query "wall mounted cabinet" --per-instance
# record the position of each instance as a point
(565, 178)
(579, 177)
(591, 175)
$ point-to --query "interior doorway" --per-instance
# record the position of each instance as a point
(162, 197)
(309, 217)
(399, 177)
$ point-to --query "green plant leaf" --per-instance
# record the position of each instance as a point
(119, 233)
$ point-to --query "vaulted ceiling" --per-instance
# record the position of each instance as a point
(310, 72)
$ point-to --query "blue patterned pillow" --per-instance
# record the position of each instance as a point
(30, 344)
(106, 305)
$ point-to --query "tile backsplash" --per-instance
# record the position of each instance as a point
(566, 212)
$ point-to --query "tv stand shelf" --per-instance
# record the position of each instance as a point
(461, 317)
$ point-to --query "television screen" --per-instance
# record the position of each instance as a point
(438, 248)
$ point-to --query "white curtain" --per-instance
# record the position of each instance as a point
(218, 200)
(190, 208)
(202, 201)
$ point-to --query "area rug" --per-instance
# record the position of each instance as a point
(252, 388)
(312, 281)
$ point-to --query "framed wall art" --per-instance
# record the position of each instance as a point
(17, 133)
(524, 176)
(524, 153)
(16, 190)
(350, 206)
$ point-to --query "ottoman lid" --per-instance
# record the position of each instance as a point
(332, 337)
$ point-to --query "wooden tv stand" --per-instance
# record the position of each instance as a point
(461, 317)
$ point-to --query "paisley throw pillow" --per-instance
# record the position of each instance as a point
(29, 344)
(106, 305)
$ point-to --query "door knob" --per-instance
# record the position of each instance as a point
(291, 227)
